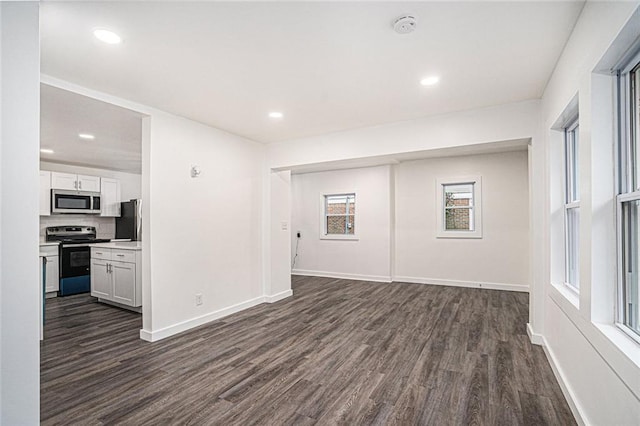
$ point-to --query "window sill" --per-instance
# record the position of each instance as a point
(627, 344)
(452, 234)
(568, 295)
(339, 237)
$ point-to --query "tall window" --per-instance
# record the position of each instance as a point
(459, 208)
(339, 214)
(572, 206)
(628, 200)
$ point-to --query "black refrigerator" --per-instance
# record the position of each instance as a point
(129, 224)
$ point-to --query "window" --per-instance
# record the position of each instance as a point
(571, 206)
(339, 214)
(628, 200)
(459, 208)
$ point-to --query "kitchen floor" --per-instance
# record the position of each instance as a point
(339, 351)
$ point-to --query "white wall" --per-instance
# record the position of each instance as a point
(500, 123)
(367, 258)
(19, 277)
(204, 234)
(599, 366)
(500, 259)
(277, 244)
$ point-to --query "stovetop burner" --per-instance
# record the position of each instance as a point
(74, 235)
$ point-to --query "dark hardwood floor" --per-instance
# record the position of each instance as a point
(337, 352)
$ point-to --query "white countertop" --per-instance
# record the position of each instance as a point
(121, 245)
(49, 243)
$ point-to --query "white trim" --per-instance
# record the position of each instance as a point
(278, 296)
(536, 339)
(576, 409)
(340, 275)
(154, 336)
(457, 283)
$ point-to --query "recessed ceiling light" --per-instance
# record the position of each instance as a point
(107, 36)
(276, 114)
(46, 151)
(86, 136)
(430, 81)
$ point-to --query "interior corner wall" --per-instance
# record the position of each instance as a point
(368, 257)
(20, 283)
(600, 380)
(500, 259)
(205, 232)
(280, 225)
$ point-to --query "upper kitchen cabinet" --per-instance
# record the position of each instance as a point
(45, 193)
(73, 182)
(110, 197)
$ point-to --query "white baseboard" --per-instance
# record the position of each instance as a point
(154, 336)
(576, 409)
(278, 296)
(535, 338)
(456, 283)
(345, 276)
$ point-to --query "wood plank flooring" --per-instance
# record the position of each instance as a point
(337, 352)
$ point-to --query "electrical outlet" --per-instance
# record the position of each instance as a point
(198, 299)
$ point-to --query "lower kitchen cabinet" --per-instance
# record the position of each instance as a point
(52, 283)
(115, 276)
(100, 279)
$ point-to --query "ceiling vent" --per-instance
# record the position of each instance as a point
(405, 24)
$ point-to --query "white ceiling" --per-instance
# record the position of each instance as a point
(328, 66)
(118, 131)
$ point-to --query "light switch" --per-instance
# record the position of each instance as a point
(284, 226)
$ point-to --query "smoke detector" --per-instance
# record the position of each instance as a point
(405, 24)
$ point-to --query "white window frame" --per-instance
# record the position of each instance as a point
(476, 182)
(323, 216)
(571, 178)
(626, 191)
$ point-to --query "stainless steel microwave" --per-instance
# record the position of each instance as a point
(78, 202)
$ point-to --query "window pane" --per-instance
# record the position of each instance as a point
(337, 204)
(572, 244)
(572, 159)
(336, 224)
(631, 259)
(635, 131)
(458, 195)
(458, 219)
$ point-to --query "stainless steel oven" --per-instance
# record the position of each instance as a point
(78, 202)
(75, 256)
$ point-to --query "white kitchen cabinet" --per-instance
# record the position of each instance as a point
(45, 193)
(101, 286)
(109, 197)
(73, 182)
(52, 282)
(116, 276)
(64, 181)
(124, 282)
(88, 183)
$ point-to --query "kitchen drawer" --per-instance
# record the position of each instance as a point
(100, 253)
(49, 250)
(123, 255)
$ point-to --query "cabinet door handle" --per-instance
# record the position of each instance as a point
(80, 183)
(120, 255)
(75, 184)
